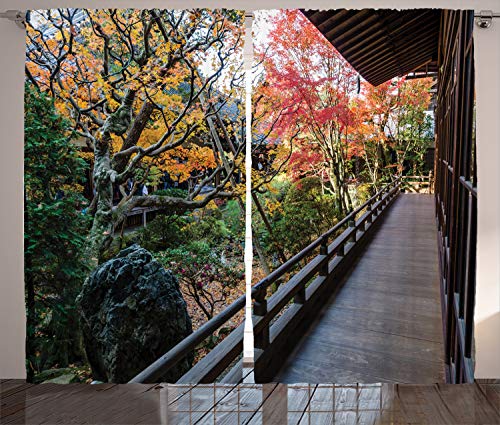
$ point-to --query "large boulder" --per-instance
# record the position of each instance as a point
(132, 312)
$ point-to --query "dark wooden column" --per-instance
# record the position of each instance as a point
(455, 188)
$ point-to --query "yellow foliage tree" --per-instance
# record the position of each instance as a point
(139, 87)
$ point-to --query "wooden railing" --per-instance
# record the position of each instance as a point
(140, 216)
(214, 363)
(279, 319)
(418, 184)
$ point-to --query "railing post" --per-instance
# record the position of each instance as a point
(261, 339)
(300, 297)
(352, 225)
(380, 203)
(323, 250)
(369, 209)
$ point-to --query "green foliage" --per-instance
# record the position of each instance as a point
(163, 232)
(364, 191)
(172, 192)
(307, 213)
(203, 252)
(197, 259)
(55, 231)
(232, 217)
(303, 214)
(209, 228)
(171, 231)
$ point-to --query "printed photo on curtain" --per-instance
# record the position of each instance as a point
(134, 195)
(140, 179)
(363, 139)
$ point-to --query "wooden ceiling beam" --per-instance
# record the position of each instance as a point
(381, 44)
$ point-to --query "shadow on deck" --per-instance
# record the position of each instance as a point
(384, 325)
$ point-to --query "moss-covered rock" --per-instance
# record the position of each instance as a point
(132, 312)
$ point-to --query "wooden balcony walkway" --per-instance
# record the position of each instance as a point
(384, 325)
(268, 404)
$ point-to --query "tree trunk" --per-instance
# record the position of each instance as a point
(262, 213)
(227, 167)
(260, 254)
(101, 233)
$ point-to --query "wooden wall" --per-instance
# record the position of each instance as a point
(456, 190)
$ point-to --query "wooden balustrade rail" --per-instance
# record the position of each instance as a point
(212, 364)
(418, 184)
(327, 265)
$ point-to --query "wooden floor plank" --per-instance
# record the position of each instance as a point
(12, 387)
(291, 400)
(275, 407)
(420, 404)
(299, 402)
(16, 404)
(191, 407)
(491, 390)
(223, 400)
(384, 325)
(380, 342)
(325, 359)
(267, 404)
(133, 405)
(88, 404)
(374, 321)
(240, 402)
(238, 405)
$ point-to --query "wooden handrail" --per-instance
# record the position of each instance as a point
(422, 177)
(418, 183)
(161, 366)
(224, 354)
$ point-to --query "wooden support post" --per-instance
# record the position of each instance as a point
(261, 339)
(144, 218)
(300, 297)
(352, 224)
(323, 250)
(369, 209)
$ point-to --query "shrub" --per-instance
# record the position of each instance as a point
(209, 229)
(163, 232)
(208, 276)
(306, 213)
